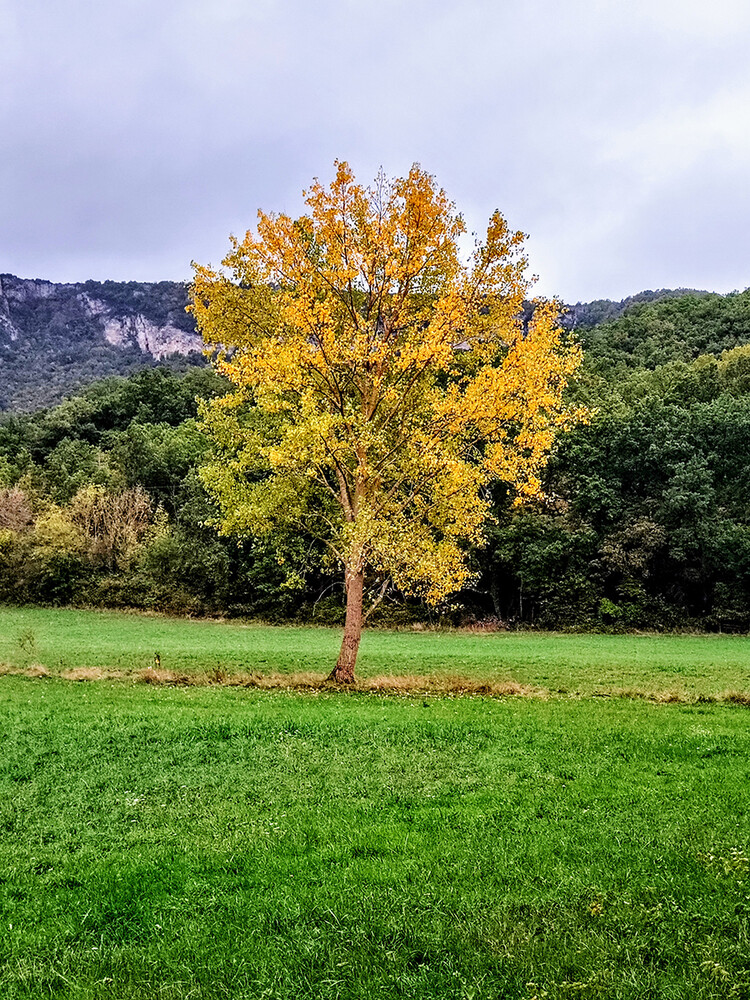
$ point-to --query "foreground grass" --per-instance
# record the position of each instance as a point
(225, 843)
(690, 666)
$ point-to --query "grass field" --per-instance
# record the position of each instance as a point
(63, 640)
(224, 842)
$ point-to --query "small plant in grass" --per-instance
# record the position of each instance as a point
(26, 642)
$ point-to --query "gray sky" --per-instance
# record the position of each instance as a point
(135, 135)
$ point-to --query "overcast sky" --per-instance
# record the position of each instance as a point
(136, 135)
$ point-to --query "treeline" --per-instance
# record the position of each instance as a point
(646, 525)
(100, 504)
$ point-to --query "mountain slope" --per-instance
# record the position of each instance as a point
(55, 338)
(58, 338)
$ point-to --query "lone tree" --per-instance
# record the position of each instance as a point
(381, 384)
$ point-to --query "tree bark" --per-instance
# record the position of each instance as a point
(343, 672)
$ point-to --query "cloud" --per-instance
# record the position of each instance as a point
(139, 135)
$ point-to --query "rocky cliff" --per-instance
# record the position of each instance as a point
(56, 337)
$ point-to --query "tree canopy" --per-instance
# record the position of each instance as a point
(381, 383)
(646, 523)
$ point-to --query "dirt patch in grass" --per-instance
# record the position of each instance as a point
(34, 670)
(673, 697)
(406, 685)
(37, 670)
(90, 674)
(414, 684)
(668, 697)
(384, 684)
(737, 697)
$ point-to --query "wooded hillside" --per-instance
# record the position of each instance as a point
(647, 522)
(56, 338)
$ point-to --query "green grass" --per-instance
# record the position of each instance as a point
(211, 843)
(197, 843)
(62, 639)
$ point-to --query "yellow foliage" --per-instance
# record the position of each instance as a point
(381, 381)
(111, 526)
(54, 530)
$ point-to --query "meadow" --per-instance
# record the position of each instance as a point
(219, 841)
(64, 641)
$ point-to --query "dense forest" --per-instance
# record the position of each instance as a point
(646, 522)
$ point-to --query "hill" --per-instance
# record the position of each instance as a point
(680, 328)
(56, 338)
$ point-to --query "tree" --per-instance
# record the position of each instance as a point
(112, 525)
(15, 510)
(380, 384)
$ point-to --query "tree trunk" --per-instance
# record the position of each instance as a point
(343, 672)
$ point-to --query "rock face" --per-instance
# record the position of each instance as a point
(151, 316)
(157, 339)
(7, 329)
(54, 338)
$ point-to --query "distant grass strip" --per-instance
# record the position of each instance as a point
(63, 640)
(405, 685)
(399, 684)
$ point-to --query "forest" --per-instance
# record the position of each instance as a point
(645, 525)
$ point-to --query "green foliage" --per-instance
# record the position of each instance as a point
(38, 574)
(652, 515)
(73, 464)
(122, 435)
(670, 329)
(647, 523)
(159, 457)
(536, 570)
(151, 396)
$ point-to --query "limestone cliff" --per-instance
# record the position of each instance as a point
(55, 338)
